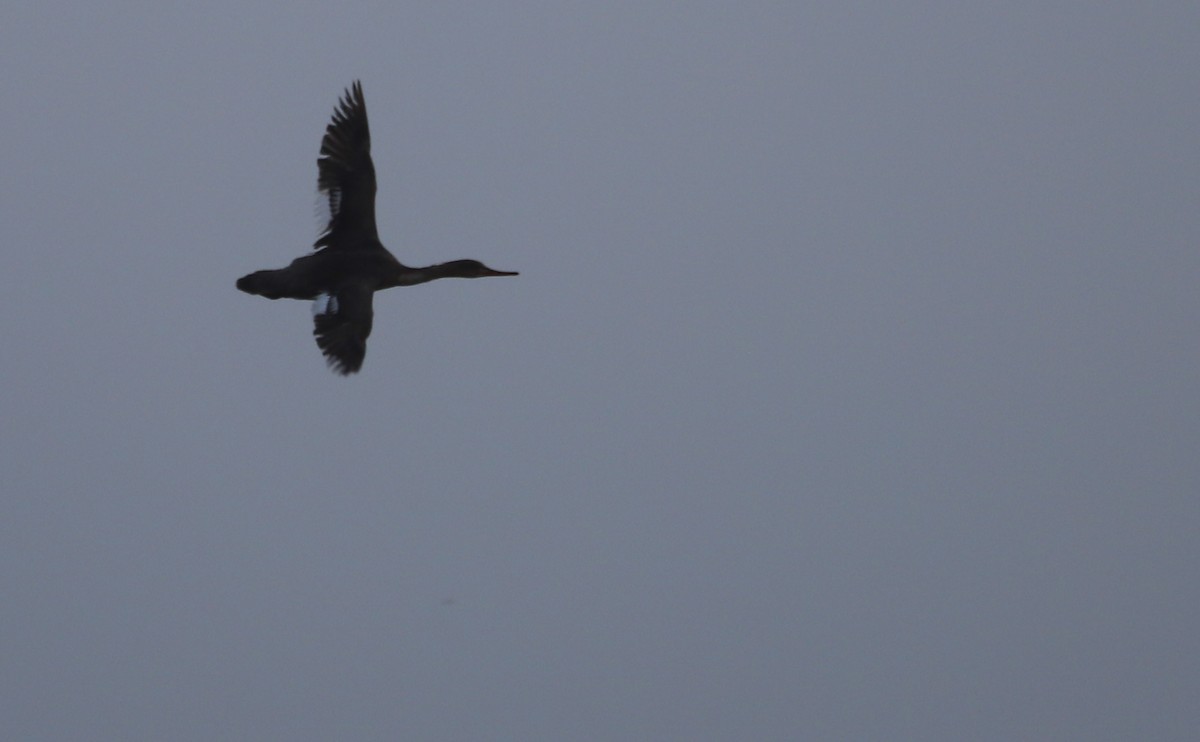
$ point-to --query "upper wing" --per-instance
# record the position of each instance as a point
(342, 323)
(346, 175)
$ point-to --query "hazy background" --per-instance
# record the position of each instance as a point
(849, 389)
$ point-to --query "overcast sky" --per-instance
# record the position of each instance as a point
(850, 388)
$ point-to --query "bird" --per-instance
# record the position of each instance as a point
(350, 263)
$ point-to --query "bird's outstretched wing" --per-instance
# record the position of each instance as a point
(346, 176)
(342, 323)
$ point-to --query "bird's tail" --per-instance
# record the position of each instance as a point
(264, 283)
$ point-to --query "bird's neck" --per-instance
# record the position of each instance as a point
(412, 276)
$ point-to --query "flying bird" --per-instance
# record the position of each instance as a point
(350, 263)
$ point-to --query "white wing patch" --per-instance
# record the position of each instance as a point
(324, 211)
(325, 304)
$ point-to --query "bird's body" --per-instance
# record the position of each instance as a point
(350, 264)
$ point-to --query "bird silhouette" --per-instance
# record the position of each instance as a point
(350, 263)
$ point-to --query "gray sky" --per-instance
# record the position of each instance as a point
(849, 389)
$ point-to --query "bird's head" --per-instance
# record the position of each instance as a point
(472, 269)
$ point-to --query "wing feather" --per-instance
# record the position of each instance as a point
(346, 176)
(341, 325)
